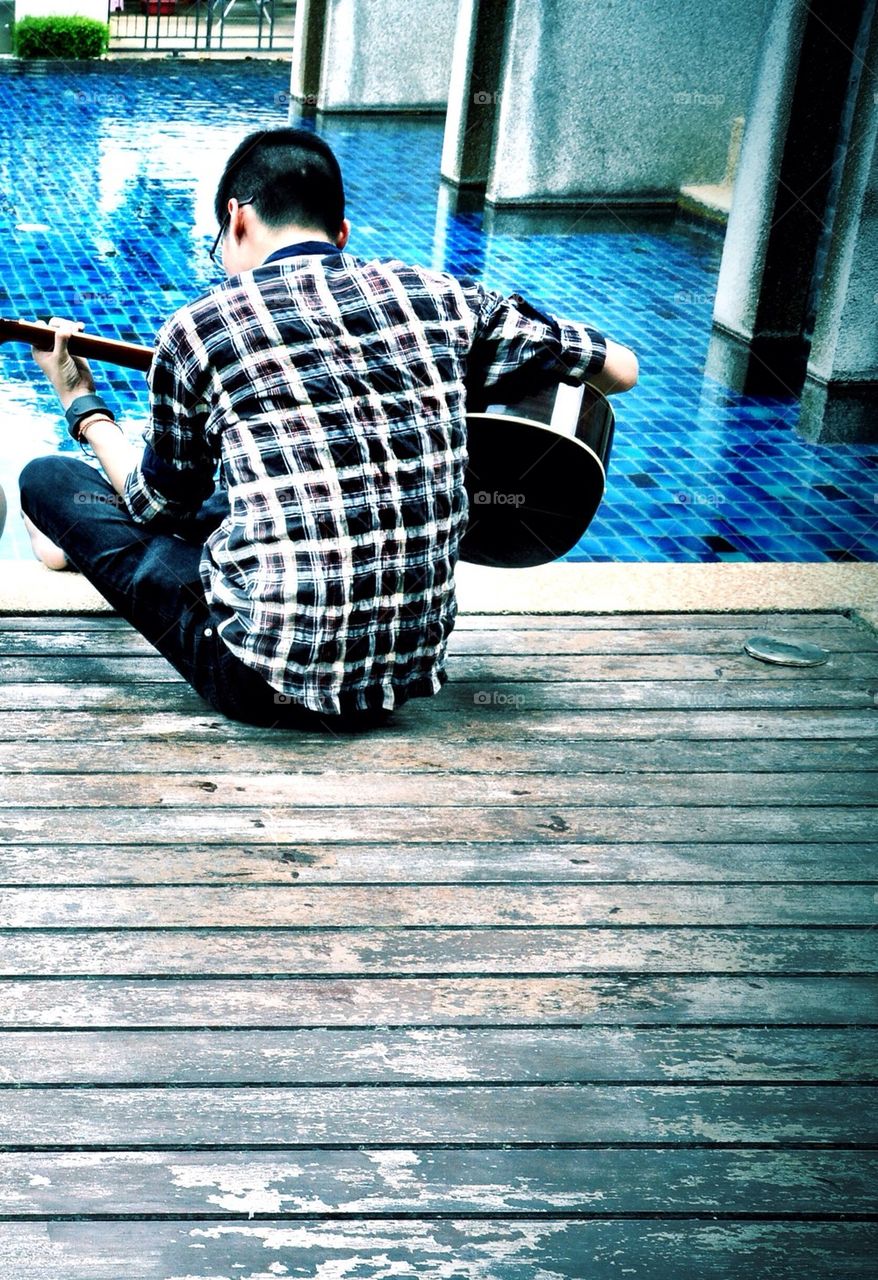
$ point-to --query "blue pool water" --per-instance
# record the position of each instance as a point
(108, 172)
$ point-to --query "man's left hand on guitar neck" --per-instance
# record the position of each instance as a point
(71, 377)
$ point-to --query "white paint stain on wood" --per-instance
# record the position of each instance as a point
(397, 1168)
(517, 1245)
(245, 1191)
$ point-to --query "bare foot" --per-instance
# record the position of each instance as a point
(44, 549)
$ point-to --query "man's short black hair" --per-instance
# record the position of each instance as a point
(290, 175)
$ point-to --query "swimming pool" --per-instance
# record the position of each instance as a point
(108, 172)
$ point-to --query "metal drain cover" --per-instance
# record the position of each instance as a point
(787, 653)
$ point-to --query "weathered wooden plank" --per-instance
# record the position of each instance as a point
(766, 620)
(126, 642)
(491, 696)
(380, 788)
(142, 696)
(579, 668)
(683, 1115)
(837, 637)
(78, 1003)
(30, 865)
(45, 620)
(761, 1184)
(414, 824)
(512, 905)
(624, 667)
(495, 696)
(336, 1055)
(420, 723)
(540, 952)
(420, 753)
(494, 1249)
(89, 668)
(479, 621)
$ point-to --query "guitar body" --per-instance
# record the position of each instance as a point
(536, 476)
(536, 471)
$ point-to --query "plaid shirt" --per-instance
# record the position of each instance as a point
(331, 392)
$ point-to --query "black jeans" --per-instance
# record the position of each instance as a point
(152, 579)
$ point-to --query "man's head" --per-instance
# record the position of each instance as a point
(278, 182)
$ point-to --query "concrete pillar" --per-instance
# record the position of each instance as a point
(474, 92)
(840, 395)
(456, 246)
(373, 55)
(780, 206)
(7, 17)
(618, 102)
(308, 38)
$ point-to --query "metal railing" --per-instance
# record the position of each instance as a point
(211, 26)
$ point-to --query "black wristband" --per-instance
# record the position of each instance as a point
(84, 407)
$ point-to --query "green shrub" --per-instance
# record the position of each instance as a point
(60, 38)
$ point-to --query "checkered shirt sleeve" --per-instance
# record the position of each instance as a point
(518, 349)
(177, 469)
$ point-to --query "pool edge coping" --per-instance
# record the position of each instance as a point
(591, 588)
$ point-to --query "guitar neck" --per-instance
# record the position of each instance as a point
(126, 354)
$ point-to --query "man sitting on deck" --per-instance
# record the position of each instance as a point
(317, 584)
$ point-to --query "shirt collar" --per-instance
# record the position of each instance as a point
(303, 247)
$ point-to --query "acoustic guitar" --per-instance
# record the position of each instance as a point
(536, 472)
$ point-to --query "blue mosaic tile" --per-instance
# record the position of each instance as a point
(113, 166)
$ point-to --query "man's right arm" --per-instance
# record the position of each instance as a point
(620, 371)
(518, 349)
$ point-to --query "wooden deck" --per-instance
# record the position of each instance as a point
(569, 973)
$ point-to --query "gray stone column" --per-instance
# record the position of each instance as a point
(374, 55)
(7, 17)
(308, 40)
(782, 196)
(474, 92)
(620, 104)
(840, 395)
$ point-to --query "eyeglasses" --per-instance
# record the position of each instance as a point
(224, 226)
